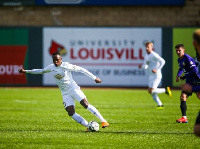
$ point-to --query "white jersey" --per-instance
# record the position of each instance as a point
(153, 61)
(63, 76)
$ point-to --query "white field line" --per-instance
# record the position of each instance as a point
(24, 101)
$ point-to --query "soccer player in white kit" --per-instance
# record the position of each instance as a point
(154, 63)
(69, 89)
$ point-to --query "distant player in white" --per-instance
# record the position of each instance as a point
(69, 89)
(154, 63)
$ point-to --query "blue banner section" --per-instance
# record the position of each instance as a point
(17, 2)
(111, 2)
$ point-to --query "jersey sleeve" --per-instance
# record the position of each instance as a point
(192, 65)
(81, 70)
(160, 60)
(191, 62)
(39, 71)
(145, 65)
(179, 73)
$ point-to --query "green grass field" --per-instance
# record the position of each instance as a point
(35, 118)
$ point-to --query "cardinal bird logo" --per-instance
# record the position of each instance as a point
(55, 47)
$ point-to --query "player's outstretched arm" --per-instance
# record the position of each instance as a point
(97, 80)
(22, 71)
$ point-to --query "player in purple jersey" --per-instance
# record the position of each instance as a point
(188, 66)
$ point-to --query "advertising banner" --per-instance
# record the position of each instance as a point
(112, 54)
(184, 36)
(13, 50)
(110, 2)
(11, 61)
(16, 2)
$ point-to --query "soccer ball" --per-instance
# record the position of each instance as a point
(93, 126)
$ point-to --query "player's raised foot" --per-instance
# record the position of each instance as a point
(160, 107)
(182, 120)
(168, 92)
(105, 124)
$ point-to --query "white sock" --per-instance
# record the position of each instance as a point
(80, 119)
(159, 91)
(156, 99)
(94, 111)
(185, 117)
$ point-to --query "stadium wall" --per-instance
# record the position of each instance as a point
(160, 16)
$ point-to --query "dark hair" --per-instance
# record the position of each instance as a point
(55, 53)
(179, 45)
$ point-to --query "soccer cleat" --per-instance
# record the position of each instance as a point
(168, 92)
(160, 107)
(182, 120)
(105, 124)
(87, 130)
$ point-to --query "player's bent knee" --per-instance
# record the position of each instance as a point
(149, 91)
(70, 110)
(183, 97)
(84, 103)
(71, 113)
(85, 106)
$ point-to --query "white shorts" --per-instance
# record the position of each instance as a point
(154, 81)
(69, 99)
